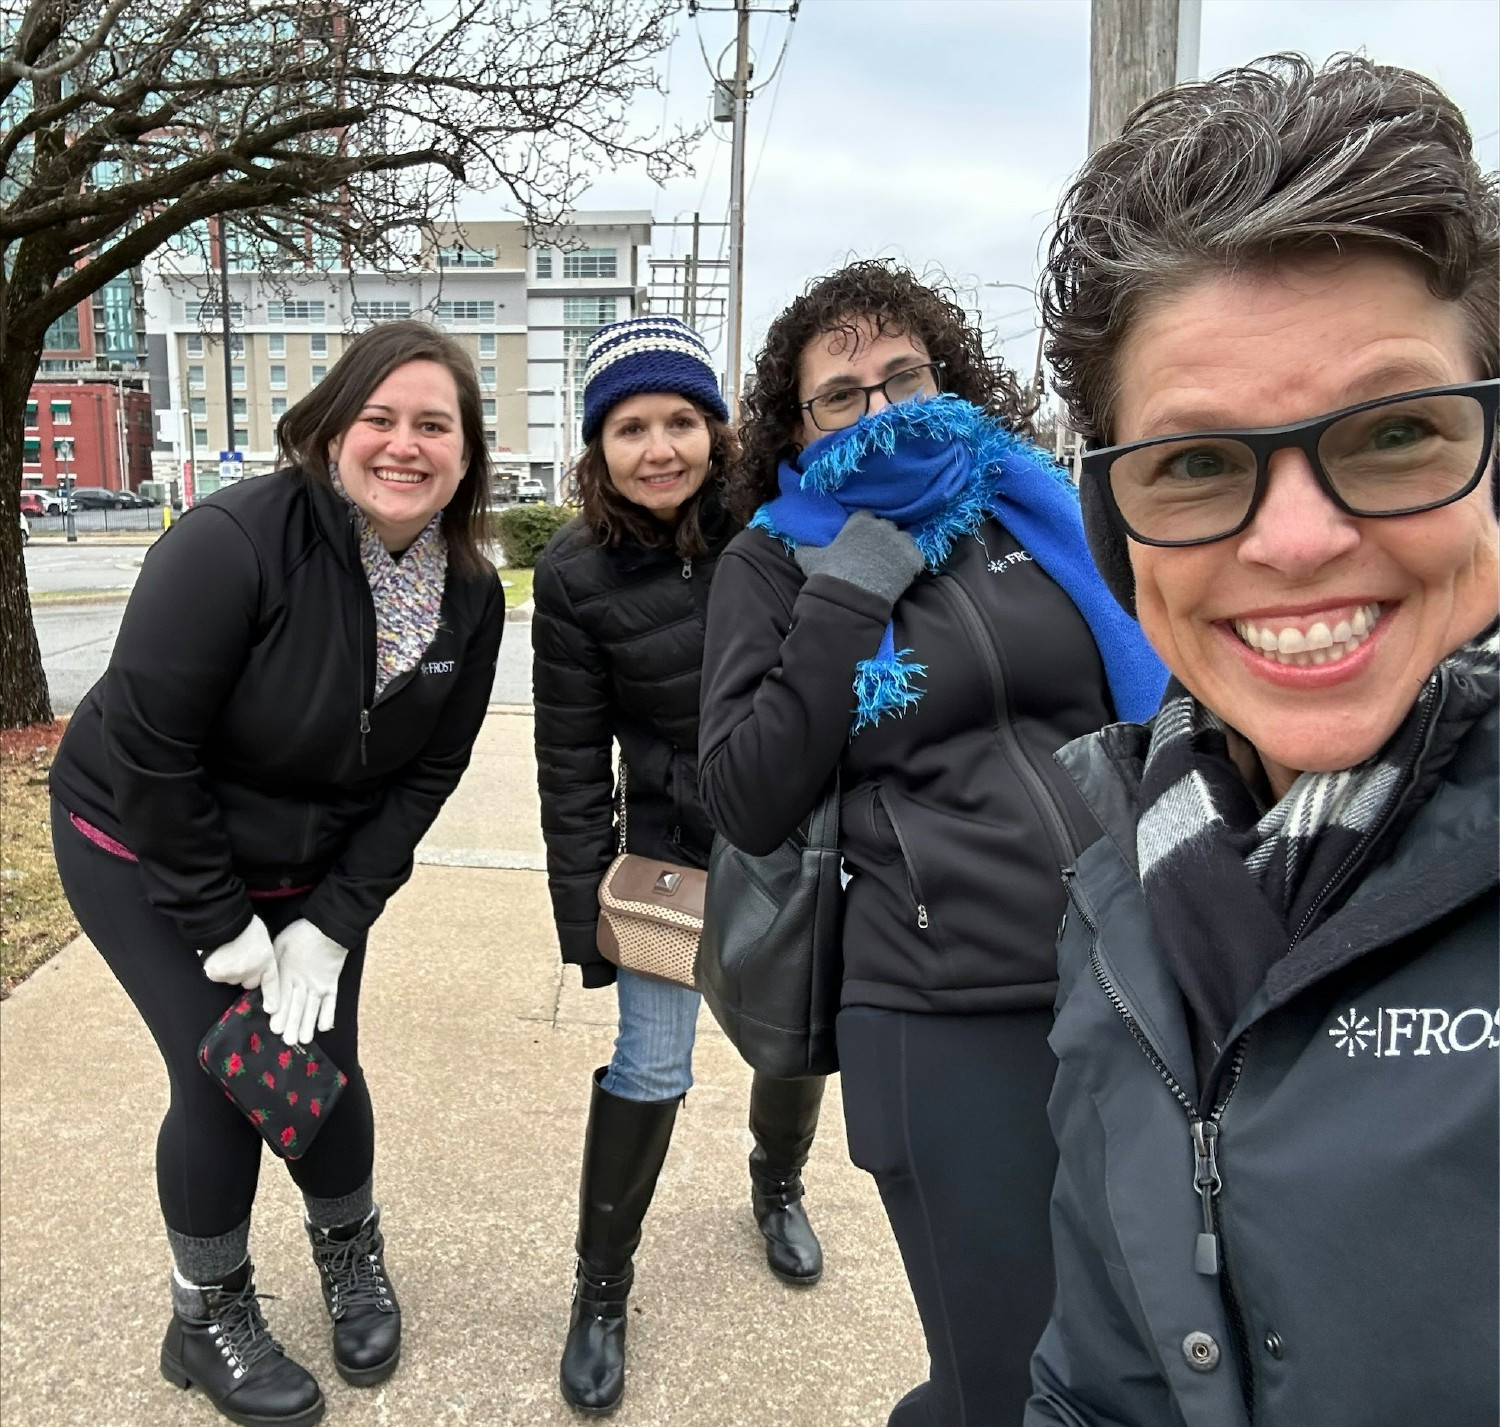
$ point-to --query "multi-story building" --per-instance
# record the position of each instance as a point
(521, 311)
(88, 416)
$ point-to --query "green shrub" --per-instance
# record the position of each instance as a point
(524, 530)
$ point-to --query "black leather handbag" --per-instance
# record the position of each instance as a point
(770, 964)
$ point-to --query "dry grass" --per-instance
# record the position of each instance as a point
(35, 919)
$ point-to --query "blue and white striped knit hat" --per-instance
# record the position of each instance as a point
(646, 354)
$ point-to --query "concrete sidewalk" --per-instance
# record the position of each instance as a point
(478, 1047)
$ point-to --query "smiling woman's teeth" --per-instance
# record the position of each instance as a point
(405, 478)
(1318, 644)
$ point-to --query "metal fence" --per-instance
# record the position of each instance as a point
(93, 522)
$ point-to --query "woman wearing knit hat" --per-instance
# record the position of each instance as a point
(621, 596)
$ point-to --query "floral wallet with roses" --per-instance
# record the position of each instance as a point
(286, 1092)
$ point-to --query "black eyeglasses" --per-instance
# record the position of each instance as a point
(1396, 456)
(835, 410)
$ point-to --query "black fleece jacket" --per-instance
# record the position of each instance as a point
(617, 642)
(234, 742)
(956, 820)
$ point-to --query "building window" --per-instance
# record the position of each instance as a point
(62, 335)
(31, 450)
(278, 376)
(62, 449)
(544, 262)
(198, 405)
(319, 371)
(276, 344)
(278, 406)
(237, 377)
(317, 344)
(588, 312)
(200, 437)
(381, 311)
(486, 344)
(468, 310)
(241, 437)
(195, 344)
(296, 310)
(31, 416)
(462, 257)
(62, 412)
(487, 378)
(591, 262)
(195, 375)
(492, 440)
(489, 408)
(201, 312)
(241, 406)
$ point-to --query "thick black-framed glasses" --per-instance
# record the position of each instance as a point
(1398, 455)
(835, 410)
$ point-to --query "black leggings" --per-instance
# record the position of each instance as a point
(207, 1153)
(949, 1114)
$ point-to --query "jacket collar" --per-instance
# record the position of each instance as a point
(333, 517)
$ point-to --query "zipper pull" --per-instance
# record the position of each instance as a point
(364, 729)
(687, 569)
(921, 916)
(1207, 1182)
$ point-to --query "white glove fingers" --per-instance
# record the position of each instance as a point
(325, 1013)
(270, 987)
(291, 1014)
(308, 1018)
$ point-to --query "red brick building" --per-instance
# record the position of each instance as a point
(96, 430)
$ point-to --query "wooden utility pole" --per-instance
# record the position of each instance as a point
(1137, 48)
(732, 339)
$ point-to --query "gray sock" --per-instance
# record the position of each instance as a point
(209, 1260)
(352, 1208)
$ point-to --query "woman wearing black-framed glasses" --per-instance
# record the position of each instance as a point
(1276, 1197)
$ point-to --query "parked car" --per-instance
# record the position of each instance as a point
(134, 500)
(96, 498)
(52, 502)
(528, 488)
(25, 531)
(34, 503)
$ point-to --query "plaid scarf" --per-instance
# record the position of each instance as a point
(1231, 888)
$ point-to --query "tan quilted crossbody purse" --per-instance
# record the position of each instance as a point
(650, 913)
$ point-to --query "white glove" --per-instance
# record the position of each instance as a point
(249, 961)
(309, 963)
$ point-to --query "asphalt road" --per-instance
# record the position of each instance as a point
(76, 635)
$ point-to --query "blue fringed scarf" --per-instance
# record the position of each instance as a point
(936, 469)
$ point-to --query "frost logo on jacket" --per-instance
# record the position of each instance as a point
(1391, 1031)
(1000, 566)
(438, 666)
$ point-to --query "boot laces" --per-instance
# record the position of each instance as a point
(239, 1328)
(355, 1273)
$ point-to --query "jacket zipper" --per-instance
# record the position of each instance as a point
(1015, 751)
(1204, 1131)
(913, 886)
(687, 569)
(366, 601)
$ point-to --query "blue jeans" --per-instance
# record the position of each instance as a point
(653, 1057)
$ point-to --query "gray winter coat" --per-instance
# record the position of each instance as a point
(1357, 1161)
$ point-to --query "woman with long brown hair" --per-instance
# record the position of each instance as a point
(234, 805)
(621, 598)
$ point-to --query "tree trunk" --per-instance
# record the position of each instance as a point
(23, 682)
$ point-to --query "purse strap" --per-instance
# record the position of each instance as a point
(823, 823)
(623, 806)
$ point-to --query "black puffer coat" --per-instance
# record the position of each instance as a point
(617, 642)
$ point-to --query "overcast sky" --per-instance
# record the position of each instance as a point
(943, 131)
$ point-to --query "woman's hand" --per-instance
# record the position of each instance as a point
(249, 961)
(309, 963)
(868, 552)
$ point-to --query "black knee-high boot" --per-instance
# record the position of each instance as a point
(622, 1156)
(784, 1119)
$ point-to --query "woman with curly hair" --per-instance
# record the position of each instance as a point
(621, 595)
(914, 611)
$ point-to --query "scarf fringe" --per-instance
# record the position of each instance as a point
(883, 685)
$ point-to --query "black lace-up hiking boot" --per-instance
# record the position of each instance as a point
(784, 1119)
(623, 1153)
(218, 1341)
(360, 1299)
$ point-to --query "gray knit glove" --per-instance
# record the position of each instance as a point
(868, 552)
